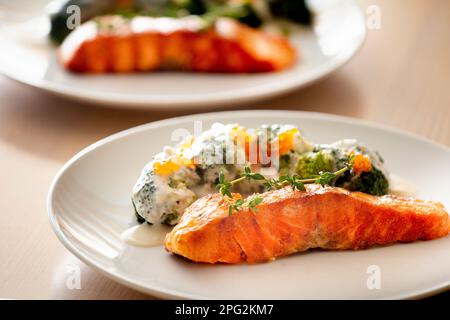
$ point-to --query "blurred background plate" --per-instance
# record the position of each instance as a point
(28, 57)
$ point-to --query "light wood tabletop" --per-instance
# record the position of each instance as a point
(401, 77)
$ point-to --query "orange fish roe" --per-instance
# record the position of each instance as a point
(175, 162)
(182, 159)
(286, 140)
(242, 138)
(187, 162)
(361, 163)
(187, 143)
(165, 167)
(238, 131)
(239, 134)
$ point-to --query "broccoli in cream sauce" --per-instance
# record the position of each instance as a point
(179, 175)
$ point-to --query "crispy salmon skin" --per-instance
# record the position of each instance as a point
(118, 45)
(290, 221)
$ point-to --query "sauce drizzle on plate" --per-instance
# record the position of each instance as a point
(145, 235)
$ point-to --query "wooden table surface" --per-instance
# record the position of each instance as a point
(401, 77)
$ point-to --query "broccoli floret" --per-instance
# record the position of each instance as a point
(139, 219)
(373, 182)
(328, 158)
(195, 6)
(312, 163)
(170, 219)
(294, 10)
(285, 164)
(250, 17)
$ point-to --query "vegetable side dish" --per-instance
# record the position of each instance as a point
(230, 203)
(234, 36)
(178, 176)
(238, 194)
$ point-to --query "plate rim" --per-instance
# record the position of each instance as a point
(240, 95)
(157, 291)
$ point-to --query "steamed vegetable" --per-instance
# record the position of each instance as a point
(311, 164)
(293, 10)
(202, 165)
(373, 182)
(368, 174)
(252, 13)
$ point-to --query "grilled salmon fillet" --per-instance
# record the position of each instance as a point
(116, 44)
(290, 221)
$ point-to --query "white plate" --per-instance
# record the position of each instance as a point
(89, 206)
(27, 56)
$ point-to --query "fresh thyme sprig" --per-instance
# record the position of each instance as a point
(239, 204)
(224, 186)
(295, 181)
(254, 201)
(236, 205)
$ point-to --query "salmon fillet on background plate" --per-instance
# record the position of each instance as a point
(115, 44)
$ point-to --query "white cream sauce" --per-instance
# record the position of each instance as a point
(399, 186)
(145, 235)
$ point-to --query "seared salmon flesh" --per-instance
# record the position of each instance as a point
(290, 221)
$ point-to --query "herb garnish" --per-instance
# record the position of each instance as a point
(295, 181)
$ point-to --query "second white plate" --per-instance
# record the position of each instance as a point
(89, 207)
(27, 57)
